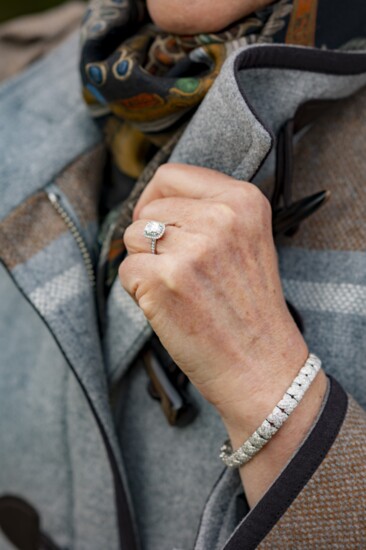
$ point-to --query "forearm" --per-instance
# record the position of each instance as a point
(237, 343)
(260, 472)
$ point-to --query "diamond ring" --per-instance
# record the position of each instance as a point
(154, 231)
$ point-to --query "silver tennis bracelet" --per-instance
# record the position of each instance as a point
(273, 422)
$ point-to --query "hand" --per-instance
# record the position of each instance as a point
(212, 293)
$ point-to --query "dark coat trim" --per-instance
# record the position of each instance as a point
(294, 58)
(313, 60)
(259, 522)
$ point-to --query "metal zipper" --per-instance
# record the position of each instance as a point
(62, 206)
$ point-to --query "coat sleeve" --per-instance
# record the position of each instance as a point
(325, 505)
(319, 499)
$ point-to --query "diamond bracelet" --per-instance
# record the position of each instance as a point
(273, 422)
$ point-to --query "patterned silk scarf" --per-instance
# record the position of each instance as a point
(142, 85)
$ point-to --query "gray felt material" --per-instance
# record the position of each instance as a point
(221, 504)
(127, 331)
(42, 117)
(51, 451)
(276, 95)
(224, 131)
(66, 302)
(171, 470)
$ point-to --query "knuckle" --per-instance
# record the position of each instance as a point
(200, 244)
(256, 196)
(132, 234)
(199, 252)
(221, 219)
(143, 213)
(173, 277)
(127, 234)
(168, 172)
(230, 219)
(181, 272)
(124, 271)
(164, 171)
(257, 207)
(223, 212)
(263, 208)
(241, 192)
(146, 303)
(132, 279)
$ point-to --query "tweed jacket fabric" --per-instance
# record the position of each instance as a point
(321, 517)
(94, 473)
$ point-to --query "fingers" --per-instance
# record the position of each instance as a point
(181, 212)
(172, 210)
(182, 180)
(133, 273)
(137, 243)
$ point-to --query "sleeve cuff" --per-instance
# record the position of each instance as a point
(263, 517)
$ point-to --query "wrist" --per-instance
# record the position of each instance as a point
(250, 398)
(292, 432)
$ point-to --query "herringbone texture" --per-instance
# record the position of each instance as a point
(330, 510)
(23, 233)
(332, 156)
(81, 182)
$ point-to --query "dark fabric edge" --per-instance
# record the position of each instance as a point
(296, 58)
(127, 537)
(302, 59)
(259, 522)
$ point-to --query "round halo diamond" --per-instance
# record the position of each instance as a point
(154, 230)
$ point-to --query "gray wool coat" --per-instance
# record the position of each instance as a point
(116, 476)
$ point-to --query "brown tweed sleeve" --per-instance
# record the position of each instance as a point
(330, 510)
(319, 500)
